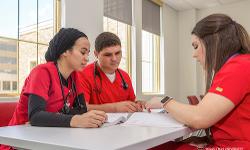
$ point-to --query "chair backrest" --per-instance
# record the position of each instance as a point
(6, 112)
(193, 100)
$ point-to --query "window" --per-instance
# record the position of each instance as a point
(118, 20)
(14, 85)
(24, 36)
(6, 85)
(122, 30)
(32, 64)
(150, 62)
(151, 75)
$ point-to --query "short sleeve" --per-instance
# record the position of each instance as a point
(38, 83)
(232, 81)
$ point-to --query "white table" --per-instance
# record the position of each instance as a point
(108, 138)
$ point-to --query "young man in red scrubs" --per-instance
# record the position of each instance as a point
(107, 87)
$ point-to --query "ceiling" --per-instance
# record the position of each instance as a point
(196, 4)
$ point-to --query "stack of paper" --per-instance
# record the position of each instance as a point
(115, 118)
(152, 119)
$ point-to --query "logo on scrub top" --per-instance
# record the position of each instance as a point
(219, 89)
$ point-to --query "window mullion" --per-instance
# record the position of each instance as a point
(18, 56)
(37, 20)
(157, 48)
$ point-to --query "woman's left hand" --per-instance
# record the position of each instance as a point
(154, 103)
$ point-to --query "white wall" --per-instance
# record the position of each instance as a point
(191, 75)
(187, 65)
(85, 15)
(238, 11)
(171, 45)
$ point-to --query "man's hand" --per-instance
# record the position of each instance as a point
(126, 106)
(141, 104)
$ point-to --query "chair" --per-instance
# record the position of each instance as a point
(193, 100)
(6, 111)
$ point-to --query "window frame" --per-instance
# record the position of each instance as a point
(56, 28)
(156, 64)
(158, 85)
(6, 82)
(128, 50)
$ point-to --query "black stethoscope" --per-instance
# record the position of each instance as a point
(66, 104)
(97, 73)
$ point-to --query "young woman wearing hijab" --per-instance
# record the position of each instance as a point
(222, 47)
(51, 95)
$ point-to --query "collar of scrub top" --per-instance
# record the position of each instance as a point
(66, 105)
(97, 73)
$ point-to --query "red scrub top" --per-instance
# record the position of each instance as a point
(105, 92)
(233, 82)
(232, 132)
(44, 82)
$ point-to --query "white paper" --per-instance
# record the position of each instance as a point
(158, 110)
(152, 119)
(115, 118)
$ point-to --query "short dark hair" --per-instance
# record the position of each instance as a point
(222, 38)
(106, 39)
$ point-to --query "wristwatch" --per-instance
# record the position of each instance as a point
(165, 100)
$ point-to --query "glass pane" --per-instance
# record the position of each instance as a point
(9, 23)
(147, 82)
(147, 46)
(27, 57)
(14, 86)
(45, 21)
(112, 26)
(123, 64)
(122, 33)
(41, 53)
(6, 86)
(105, 24)
(123, 37)
(8, 63)
(28, 20)
(119, 29)
(148, 63)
